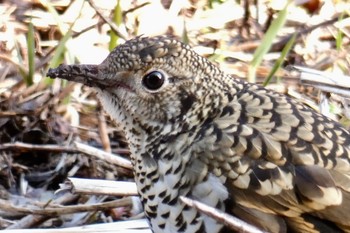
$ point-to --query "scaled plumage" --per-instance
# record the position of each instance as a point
(196, 132)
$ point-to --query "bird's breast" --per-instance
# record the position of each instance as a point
(162, 180)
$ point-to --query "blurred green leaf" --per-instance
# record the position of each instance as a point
(117, 19)
(211, 3)
(28, 78)
(339, 37)
(266, 42)
(60, 51)
(280, 60)
(55, 15)
(21, 68)
(185, 39)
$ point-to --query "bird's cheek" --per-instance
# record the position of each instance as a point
(123, 92)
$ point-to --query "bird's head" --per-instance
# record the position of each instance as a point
(152, 81)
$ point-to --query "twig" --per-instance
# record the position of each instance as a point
(34, 220)
(109, 157)
(228, 220)
(131, 226)
(30, 147)
(100, 187)
(79, 147)
(56, 211)
(102, 127)
(114, 27)
(280, 44)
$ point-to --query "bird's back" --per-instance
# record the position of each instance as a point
(285, 166)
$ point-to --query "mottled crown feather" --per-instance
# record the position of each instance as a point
(140, 51)
(143, 52)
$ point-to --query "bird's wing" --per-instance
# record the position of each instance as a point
(280, 158)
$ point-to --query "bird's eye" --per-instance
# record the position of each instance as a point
(153, 80)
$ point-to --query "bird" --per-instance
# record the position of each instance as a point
(197, 132)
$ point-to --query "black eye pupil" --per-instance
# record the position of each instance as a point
(153, 80)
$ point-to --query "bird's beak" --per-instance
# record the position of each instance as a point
(89, 75)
